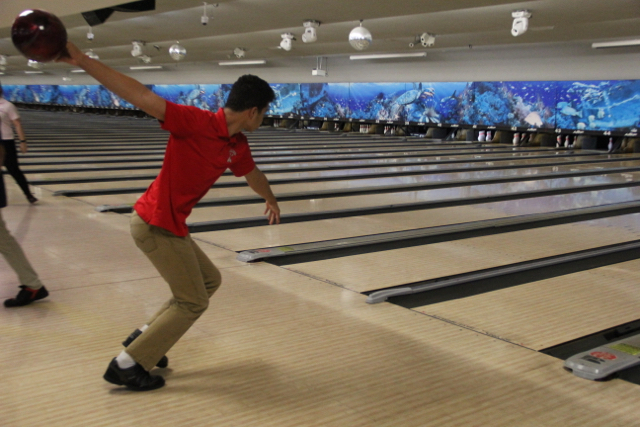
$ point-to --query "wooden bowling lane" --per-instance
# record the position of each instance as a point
(88, 167)
(141, 183)
(329, 229)
(71, 161)
(549, 312)
(461, 192)
(384, 269)
(210, 213)
(337, 156)
(71, 153)
(354, 181)
(101, 175)
(280, 162)
(603, 163)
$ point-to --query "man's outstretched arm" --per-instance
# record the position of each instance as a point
(124, 86)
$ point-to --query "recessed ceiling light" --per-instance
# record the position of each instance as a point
(622, 43)
(390, 55)
(248, 62)
(146, 67)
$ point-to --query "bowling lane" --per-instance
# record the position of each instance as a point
(132, 174)
(610, 161)
(385, 269)
(369, 200)
(97, 152)
(328, 229)
(351, 182)
(279, 162)
(71, 161)
(434, 159)
(336, 155)
(111, 185)
(79, 168)
(549, 312)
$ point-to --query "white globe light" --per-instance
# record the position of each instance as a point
(360, 38)
(177, 52)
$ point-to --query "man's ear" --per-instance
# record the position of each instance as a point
(253, 111)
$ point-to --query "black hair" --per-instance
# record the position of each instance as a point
(1, 90)
(249, 91)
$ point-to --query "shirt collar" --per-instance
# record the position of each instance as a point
(222, 118)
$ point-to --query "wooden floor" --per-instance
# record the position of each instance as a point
(280, 348)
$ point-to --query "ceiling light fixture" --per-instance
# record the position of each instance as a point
(360, 38)
(34, 64)
(79, 70)
(34, 72)
(239, 52)
(389, 56)
(310, 35)
(136, 49)
(91, 54)
(249, 62)
(427, 39)
(520, 22)
(622, 43)
(146, 67)
(287, 41)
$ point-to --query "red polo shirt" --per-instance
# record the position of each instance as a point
(198, 152)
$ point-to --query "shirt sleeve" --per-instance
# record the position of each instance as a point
(12, 112)
(183, 120)
(244, 164)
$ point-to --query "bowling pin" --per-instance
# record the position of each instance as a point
(559, 141)
(488, 138)
(516, 138)
(566, 141)
(610, 144)
(481, 136)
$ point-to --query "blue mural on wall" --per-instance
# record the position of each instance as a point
(376, 101)
(205, 97)
(602, 106)
(68, 95)
(598, 105)
(324, 100)
(435, 102)
(287, 99)
(514, 104)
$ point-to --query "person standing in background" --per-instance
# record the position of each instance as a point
(31, 289)
(10, 119)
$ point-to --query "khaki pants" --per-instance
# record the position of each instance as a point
(192, 278)
(16, 258)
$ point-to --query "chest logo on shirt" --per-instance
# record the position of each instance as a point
(232, 153)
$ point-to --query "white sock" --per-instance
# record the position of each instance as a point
(144, 328)
(125, 361)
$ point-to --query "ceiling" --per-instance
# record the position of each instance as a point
(257, 25)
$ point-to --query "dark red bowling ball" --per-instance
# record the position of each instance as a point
(39, 35)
